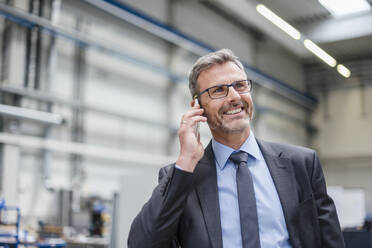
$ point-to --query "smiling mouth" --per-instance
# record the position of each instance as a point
(234, 111)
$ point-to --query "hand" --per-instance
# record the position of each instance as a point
(191, 148)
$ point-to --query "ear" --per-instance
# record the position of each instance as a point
(251, 111)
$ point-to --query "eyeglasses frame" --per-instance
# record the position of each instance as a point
(196, 96)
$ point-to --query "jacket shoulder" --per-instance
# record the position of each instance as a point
(285, 150)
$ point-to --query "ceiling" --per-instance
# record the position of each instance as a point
(344, 38)
(299, 11)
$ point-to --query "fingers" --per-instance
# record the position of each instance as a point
(191, 118)
(193, 112)
(191, 121)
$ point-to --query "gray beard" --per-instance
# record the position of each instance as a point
(225, 129)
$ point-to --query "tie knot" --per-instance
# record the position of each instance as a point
(239, 157)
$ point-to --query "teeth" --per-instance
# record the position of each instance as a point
(234, 111)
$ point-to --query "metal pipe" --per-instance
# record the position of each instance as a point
(77, 170)
(46, 97)
(54, 9)
(151, 25)
(38, 95)
(29, 21)
(124, 12)
(260, 77)
(30, 114)
(100, 152)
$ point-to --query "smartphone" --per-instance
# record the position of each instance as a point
(197, 125)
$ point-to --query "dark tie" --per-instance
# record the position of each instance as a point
(247, 201)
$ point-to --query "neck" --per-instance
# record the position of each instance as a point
(233, 140)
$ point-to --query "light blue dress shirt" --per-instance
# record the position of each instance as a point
(272, 226)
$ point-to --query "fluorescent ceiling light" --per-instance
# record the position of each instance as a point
(344, 7)
(343, 70)
(320, 53)
(279, 22)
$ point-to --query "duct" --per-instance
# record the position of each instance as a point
(260, 77)
(332, 30)
(92, 151)
(171, 51)
(246, 12)
(29, 21)
(33, 48)
(54, 6)
(30, 114)
(115, 219)
(165, 32)
(43, 96)
(77, 171)
(5, 37)
(77, 105)
(46, 162)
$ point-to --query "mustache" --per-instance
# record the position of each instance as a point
(228, 106)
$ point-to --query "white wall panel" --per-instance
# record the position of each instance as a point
(344, 139)
(130, 88)
(61, 83)
(280, 63)
(35, 201)
(279, 129)
(345, 132)
(200, 22)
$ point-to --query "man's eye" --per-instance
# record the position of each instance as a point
(218, 89)
(239, 85)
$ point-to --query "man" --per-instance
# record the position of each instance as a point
(239, 191)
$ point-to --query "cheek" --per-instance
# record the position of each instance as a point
(210, 113)
(212, 107)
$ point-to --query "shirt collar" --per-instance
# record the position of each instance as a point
(223, 152)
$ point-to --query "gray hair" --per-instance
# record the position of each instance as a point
(207, 61)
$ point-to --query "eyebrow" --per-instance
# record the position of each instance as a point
(221, 84)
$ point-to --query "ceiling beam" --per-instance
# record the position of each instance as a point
(338, 29)
(246, 12)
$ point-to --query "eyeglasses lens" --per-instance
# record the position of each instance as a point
(220, 91)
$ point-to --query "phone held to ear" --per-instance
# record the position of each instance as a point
(197, 125)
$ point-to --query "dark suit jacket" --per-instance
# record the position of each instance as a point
(183, 210)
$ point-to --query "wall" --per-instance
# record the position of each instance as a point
(344, 137)
(125, 90)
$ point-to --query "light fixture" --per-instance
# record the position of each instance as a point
(279, 22)
(345, 7)
(343, 70)
(320, 53)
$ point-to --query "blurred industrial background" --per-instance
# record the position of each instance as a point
(92, 92)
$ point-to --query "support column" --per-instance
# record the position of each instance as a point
(77, 172)
(11, 73)
(171, 84)
(10, 157)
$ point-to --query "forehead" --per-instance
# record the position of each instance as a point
(220, 74)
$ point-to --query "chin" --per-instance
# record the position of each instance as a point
(235, 127)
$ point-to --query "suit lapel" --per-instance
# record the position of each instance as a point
(281, 171)
(206, 189)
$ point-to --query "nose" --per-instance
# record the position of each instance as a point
(233, 95)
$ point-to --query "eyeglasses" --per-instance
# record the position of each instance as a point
(222, 90)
